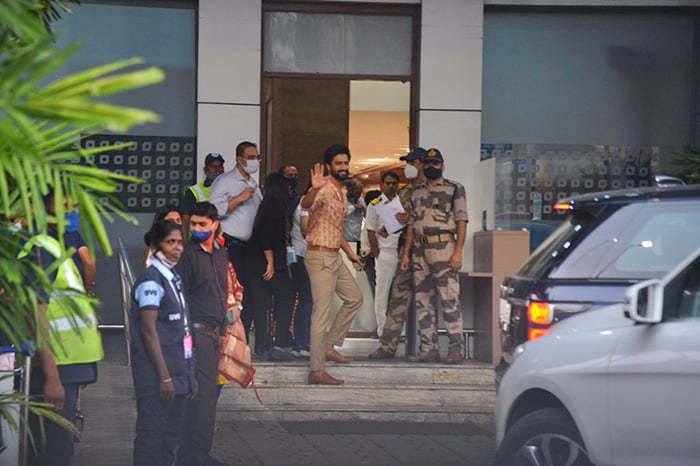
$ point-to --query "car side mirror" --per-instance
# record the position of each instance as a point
(644, 302)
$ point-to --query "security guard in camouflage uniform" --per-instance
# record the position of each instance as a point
(401, 293)
(436, 233)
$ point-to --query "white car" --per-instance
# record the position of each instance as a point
(619, 385)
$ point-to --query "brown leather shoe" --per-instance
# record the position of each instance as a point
(454, 358)
(323, 378)
(425, 356)
(335, 356)
(381, 353)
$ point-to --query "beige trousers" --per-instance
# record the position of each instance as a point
(328, 274)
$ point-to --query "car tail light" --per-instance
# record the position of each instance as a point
(535, 333)
(539, 316)
(563, 206)
(539, 313)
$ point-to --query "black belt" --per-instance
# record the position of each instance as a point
(232, 240)
(207, 327)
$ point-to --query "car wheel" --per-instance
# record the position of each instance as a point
(547, 437)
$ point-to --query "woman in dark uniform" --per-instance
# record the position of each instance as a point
(161, 339)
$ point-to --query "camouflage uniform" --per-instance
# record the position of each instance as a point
(434, 218)
(401, 289)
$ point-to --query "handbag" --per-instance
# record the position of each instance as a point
(235, 361)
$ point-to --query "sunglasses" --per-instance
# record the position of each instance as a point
(434, 163)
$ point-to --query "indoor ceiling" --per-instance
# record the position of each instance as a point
(379, 130)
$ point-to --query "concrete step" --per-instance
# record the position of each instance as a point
(462, 414)
(362, 372)
(379, 391)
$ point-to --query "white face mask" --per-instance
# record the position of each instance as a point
(251, 166)
(410, 171)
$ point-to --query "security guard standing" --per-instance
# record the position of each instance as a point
(436, 233)
(75, 343)
(213, 167)
(401, 293)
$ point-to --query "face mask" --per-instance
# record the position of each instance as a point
(432, 173)
(410, 171)
(72, 221)
(252, 166)
(212, 176)
(167, 262)
(201, 236)
(293, 182)
(16, 227)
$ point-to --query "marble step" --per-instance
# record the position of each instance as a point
(458, 414)
(303, 396)
(383, 373)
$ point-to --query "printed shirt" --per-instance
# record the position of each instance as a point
(375, 223)
(238, 222)
(326, 217)
(438, 209)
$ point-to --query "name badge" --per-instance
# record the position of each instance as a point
(187, 345)
(291, 255)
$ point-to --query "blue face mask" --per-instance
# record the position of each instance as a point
(72, 221)
(201, 236)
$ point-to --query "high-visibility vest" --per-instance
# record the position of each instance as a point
(201, 192)
(74, 337)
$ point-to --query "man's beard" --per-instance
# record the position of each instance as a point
(341, 175)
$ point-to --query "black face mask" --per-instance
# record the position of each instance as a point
(432, 173)
(293, 182)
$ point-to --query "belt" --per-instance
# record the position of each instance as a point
(207, 327)
(432, 239)
(232, 239)
(322, 248)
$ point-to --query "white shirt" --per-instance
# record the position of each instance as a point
(374, 222)
(239, 222)
(298, 239)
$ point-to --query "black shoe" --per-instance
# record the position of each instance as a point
(279, 354)
(426, 356)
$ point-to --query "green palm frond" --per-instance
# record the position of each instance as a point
(41, 126)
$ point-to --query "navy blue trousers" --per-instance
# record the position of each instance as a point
(159, 427)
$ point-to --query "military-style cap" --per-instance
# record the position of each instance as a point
(433, 154)
(416, 154)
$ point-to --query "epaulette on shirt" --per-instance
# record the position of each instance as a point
(374, 201)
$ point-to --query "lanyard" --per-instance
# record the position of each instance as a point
(176, 285)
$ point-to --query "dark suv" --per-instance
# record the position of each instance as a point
(609, 241)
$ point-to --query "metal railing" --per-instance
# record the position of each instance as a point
(126, 281)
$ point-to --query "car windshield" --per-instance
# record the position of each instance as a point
(553, 250)
(629, 242)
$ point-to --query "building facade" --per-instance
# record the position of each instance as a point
(529, 100)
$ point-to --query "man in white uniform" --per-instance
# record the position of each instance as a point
(384, 247)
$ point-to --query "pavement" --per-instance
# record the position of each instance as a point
(110, 415)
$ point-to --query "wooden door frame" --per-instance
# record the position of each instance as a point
(339, 8)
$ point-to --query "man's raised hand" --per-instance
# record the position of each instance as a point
(318, 179)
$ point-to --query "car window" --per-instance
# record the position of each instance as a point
(623, 242)
(661, 242)
(682, 294)
(572, 235)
